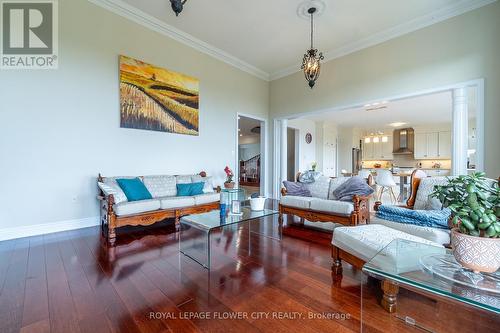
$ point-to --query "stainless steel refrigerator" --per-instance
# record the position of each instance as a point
(357, 159)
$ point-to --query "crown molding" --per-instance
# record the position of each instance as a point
(132, 13)
(397, 31)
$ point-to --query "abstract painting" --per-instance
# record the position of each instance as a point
(156, 99)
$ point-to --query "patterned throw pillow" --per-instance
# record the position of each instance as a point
(111, 187)
(426, 187)
(161, 186)
(319, 188)
(208, 183)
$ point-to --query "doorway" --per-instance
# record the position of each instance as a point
(250, 155)
(452, 145)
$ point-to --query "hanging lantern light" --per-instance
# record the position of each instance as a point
(311, 63)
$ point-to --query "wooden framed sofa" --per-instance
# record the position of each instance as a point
(358, 245)
(421, 187)
(116, 211)
(321, 208)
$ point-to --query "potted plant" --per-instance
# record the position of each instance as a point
(314, 165)
(229, 178)
(474, 202)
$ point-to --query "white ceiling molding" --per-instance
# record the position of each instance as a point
(125, 10)
(132, 13)
(399, 30)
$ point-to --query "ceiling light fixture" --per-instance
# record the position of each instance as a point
(311, 63)
(177, 6)
(397, 124)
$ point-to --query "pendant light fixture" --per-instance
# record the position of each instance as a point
(311, 63)
(177, 6)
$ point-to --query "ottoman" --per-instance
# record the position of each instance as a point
(359, 244)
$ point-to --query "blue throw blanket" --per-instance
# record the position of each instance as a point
(423, 218)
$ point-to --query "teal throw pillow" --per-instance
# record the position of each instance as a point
(134, 189)
(187, 190)
(197, 188)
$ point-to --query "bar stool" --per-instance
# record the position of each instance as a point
(386, 182)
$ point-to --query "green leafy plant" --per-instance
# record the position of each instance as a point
(475, 204)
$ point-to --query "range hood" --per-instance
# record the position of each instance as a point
(404, 141)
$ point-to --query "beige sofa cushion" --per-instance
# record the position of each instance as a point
(332, 206)
(176, 202)
(297, 202)
(365, 241)
(161, 185)
(184, 179)
(320, 188)
(206, 198)
(440, 236)
(136, 207)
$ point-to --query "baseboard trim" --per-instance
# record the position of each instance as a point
(47, 228)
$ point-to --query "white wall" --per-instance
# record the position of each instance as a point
(462, 48)
(307, 152)
(60, 128)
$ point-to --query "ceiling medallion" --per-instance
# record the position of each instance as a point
(303, 8)
(311, 63)
(177, 6)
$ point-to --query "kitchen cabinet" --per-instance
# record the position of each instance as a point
(444, 145)
(437, 172)
(387, 149)
(368, 151)
(433, 145)
(378, 150)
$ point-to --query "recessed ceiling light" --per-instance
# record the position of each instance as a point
(397, 124)
(367, 105)
(241, 134)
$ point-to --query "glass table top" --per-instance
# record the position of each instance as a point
(434, 270)
(213, 219)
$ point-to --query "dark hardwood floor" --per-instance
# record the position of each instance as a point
(73, 282)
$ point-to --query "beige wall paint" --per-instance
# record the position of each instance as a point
(60, 128)
(460, 49)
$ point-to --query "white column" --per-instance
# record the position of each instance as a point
(283, 155)
(460, 132)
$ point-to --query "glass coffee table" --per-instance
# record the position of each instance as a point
(196, 230)
(425, 289)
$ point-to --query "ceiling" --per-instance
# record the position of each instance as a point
(245, 126)
(268, 38)
(422, 110)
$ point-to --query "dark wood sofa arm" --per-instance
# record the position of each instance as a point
(361, 212)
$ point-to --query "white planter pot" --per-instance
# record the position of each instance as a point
(476, 253)
(257, 204)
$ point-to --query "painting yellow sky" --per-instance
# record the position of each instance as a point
(172, 78)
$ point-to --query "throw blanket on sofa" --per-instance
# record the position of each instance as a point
(423, 218)
(309, 176)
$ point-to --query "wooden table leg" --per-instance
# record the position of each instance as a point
(389, 299)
